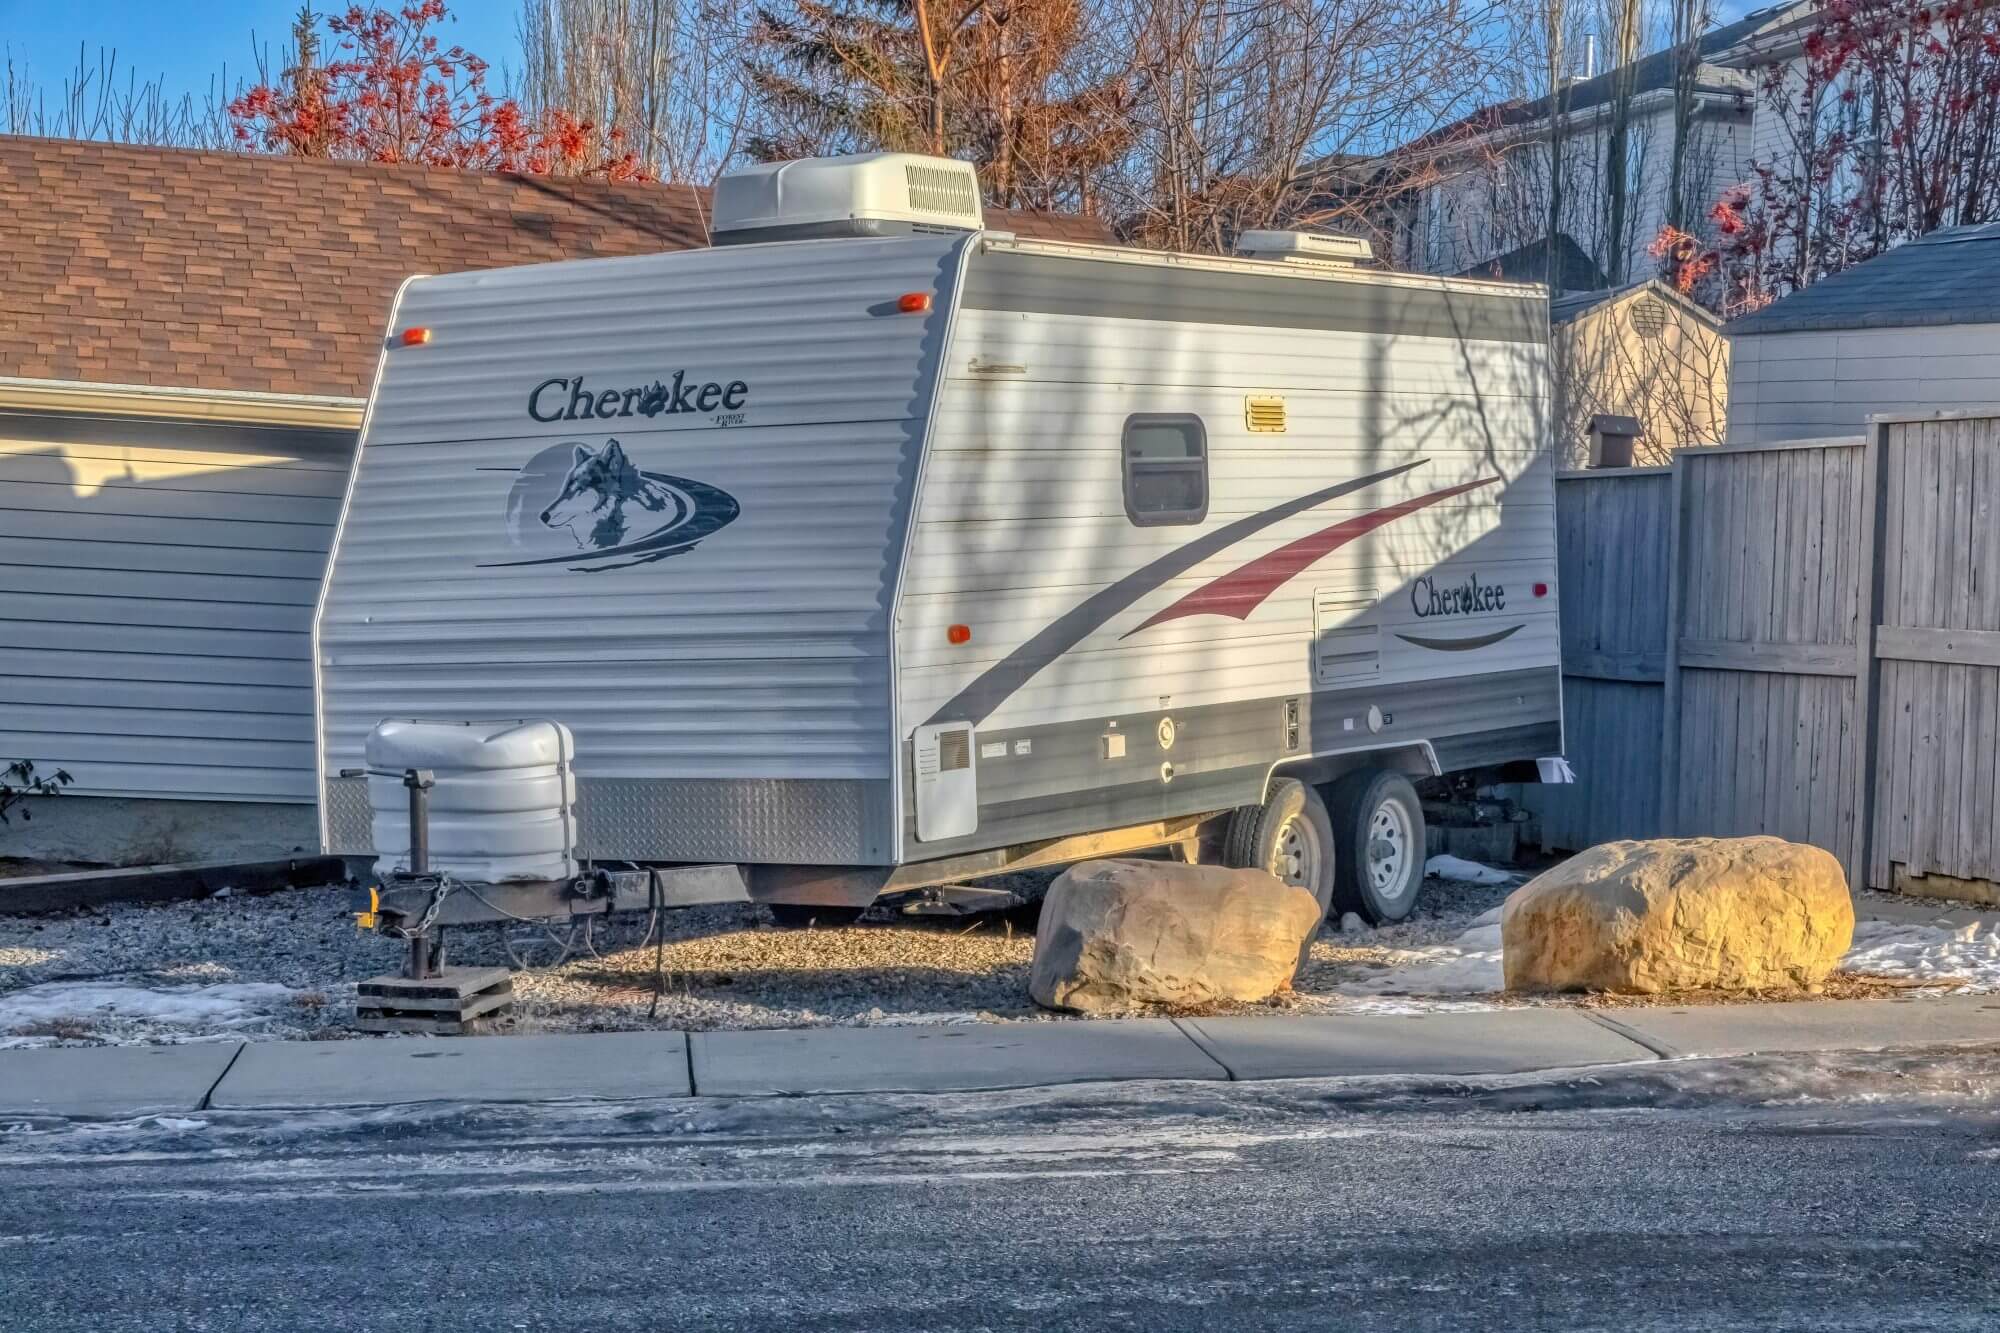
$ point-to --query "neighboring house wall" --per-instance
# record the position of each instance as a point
(155, 626)
(1494, 200)
(1773, 143)
(1804, 385)
(1769, 140)
(1647, 355)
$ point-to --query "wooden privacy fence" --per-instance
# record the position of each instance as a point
(1799, 638)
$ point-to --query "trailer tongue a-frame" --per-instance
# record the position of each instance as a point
(870, 550)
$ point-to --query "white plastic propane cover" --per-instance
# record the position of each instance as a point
(504, 807)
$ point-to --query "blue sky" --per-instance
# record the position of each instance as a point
(189, 41)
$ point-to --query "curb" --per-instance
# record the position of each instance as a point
(126, 1082)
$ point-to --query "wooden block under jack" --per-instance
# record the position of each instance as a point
(456, 1002)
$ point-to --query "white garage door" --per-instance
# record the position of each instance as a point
(157, 582)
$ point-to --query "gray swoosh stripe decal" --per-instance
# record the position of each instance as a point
(1461, 645)
(977, 701)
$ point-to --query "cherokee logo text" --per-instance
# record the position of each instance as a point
(1428, 599)
(566, 398)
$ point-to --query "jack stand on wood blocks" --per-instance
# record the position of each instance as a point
(452, 1002)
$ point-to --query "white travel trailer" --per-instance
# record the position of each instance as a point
(871, 550)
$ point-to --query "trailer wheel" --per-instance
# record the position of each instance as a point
(799, 916)
(1380, 824)
(1289, 835)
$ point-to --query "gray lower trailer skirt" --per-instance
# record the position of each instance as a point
(810, 822)
(1055, 780)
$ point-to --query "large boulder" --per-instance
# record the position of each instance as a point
(1644, 918)
(1116, 935)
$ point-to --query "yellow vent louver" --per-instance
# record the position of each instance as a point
(1264, 415)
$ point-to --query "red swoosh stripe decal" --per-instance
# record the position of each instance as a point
(1243, 590)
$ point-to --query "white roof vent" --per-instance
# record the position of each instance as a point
(1304, 247)
(866, 194)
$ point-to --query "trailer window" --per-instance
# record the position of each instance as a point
(1166, 469)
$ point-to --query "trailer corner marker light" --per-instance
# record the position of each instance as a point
(1541, 590)
(914, 303)
(415, 337)
(959, 634)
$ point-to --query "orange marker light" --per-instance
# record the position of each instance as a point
(959, 634)
(914, 303)
(416, 337)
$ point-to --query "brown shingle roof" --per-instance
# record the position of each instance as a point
(129, 265)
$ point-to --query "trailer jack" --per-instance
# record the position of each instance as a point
(428, 995)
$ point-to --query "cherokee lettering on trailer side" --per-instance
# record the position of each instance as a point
(573, 400)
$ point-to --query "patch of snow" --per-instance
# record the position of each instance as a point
(1393, 1005)
(881, 1019)
(1968, 954)
(1469, 965)
(126, 1007)
(1464, 871)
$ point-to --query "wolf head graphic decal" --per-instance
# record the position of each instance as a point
(595, 509)
(595, 495)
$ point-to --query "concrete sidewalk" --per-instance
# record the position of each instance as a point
(127, 1082)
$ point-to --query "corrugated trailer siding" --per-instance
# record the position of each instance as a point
(1023, 510)
(760, 654)
(159, 581)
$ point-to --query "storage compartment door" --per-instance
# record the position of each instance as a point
(1345, 647)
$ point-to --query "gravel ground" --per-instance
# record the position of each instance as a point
(214, 969)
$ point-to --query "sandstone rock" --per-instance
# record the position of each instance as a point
(1644, 918)
(1115, 935)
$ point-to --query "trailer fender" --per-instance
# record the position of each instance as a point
(1413, 759)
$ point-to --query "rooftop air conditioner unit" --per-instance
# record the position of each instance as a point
(1304, 247)
(866, 194)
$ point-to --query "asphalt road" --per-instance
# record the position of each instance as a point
(1868, 1197)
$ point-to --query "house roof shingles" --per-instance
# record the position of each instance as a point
(1574, 269)
(162, 267)
(1948, 277)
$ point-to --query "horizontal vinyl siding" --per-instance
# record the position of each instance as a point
(1792, 386)
(156, 592)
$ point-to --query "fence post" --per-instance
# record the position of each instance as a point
(1670, 675)
(1867, 667)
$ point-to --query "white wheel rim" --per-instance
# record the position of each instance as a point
(1389, 850)
(1299, 859)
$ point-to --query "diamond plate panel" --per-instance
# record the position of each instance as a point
(349, 818)
(802, 822)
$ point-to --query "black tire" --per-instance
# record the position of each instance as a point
(1379, 824)
(799, 916)
(1289, 835)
